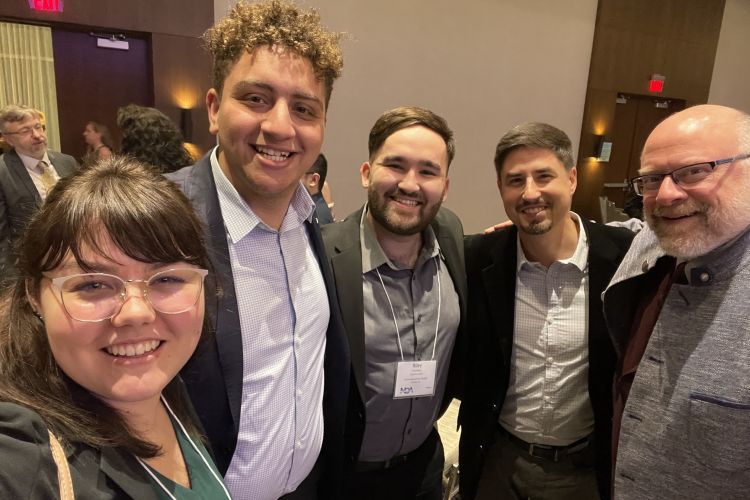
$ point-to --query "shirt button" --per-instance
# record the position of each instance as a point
(299, 392)
(549, 360)
(299, 445)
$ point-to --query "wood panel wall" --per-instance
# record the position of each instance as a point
(181, 69)
(634, 39)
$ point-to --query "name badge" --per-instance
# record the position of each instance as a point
(415, 379)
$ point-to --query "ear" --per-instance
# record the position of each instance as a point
(212, 105)
(33, 301)
(312, 180)
(573, 178)
(445, 191)
(364, 173)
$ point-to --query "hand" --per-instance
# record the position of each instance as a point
(498, 226)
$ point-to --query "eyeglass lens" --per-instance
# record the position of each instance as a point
(93, 297)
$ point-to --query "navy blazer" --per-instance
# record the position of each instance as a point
(342, 240)
(491, 272)
(214, 374)
(19, 200)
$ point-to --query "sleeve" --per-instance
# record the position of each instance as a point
(27, 470)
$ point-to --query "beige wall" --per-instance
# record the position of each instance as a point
(484, 65)
(730, 84)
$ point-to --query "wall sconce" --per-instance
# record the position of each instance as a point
(602, 148)
(186, 124)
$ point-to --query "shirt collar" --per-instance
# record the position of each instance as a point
(373, 255)
(31, 163)
(579, 258)
(239, 218)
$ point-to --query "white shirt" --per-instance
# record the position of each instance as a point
(32, 165)
(284, 312)
(547, 400)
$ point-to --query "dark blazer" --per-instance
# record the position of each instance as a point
(345, 253)
(214, 374)
(491, 273)
(29, 471)
(19, 200)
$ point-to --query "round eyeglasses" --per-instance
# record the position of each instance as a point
(93, 297)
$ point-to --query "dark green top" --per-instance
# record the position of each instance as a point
(203, 483)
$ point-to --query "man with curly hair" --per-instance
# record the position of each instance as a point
(279, 359)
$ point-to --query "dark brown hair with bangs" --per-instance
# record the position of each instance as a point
(150, 220)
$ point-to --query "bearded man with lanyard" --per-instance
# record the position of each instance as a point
(399, 273)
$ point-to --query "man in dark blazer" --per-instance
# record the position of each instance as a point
(399, 273)
(23, 182)
(270, 386)
(536, 414)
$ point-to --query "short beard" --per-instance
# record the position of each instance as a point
(378, 207)
(713, 226)
(536, 228)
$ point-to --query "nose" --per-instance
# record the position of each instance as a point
(408, 182)
(669, 192)
(37, 132)
(277, 123)
(530, 190)
(135, 308)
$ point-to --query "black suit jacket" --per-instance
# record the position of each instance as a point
(214, 375)
(343, 247)
(19, 200)
(491, 273)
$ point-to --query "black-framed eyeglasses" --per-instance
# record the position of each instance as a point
(684, 176)
(94, 297)
(38, 128)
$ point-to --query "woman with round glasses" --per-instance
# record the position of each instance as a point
(107, 307)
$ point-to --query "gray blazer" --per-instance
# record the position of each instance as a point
(19, 200)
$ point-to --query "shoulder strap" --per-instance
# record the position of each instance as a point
(63, 470)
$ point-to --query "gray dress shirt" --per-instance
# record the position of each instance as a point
(398, 426)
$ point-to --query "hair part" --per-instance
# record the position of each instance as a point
(403, 117)
(274, 23)
(14, 113)
(535, 135)
(149, 219)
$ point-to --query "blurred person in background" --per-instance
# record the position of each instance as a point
(314, 180)
(27, 173)
(151, 137)
(99, 143)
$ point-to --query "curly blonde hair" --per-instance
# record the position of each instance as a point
(274, 23)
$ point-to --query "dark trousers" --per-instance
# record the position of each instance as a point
(419, 477)
(511, 473)
(308, 488)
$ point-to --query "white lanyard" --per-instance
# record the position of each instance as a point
(182, 428)
(393, 312)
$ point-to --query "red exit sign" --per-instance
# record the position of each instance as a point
(46, 5)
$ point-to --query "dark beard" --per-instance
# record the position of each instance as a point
(378, 207)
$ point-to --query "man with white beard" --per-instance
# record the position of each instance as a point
(677, 309)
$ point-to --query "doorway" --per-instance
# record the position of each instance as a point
(93, 82)
(635, 117)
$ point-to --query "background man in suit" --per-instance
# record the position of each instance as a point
(258, 386)
(678, 312)
(398, 267)
(314, 180)
(27, 173)
(536, 414)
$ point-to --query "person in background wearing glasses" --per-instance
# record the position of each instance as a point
(27, 173)
(677, 310)
(107, 307)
